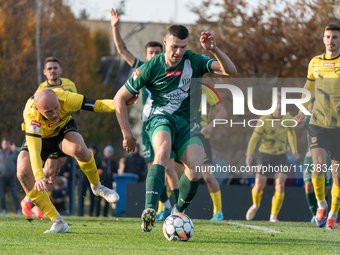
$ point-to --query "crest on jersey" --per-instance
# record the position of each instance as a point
(35, 126)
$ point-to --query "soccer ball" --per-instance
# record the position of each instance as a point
(178, 227)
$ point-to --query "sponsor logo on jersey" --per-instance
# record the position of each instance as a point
(174, 73)
(277, 123)
(176, 96)
(53, 123)
(35, 126)
(328, 64)
(135, 74)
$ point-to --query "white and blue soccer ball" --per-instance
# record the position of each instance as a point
(178, 227)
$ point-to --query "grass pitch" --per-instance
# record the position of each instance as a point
(124, 236)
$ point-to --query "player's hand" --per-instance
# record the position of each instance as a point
(338, 105)
(206, 130)
(114, 17)
(249, 159)
(296, 157)
(41, 184)
(207, 41)
(129, 143)
(299, 118)
(132, 100)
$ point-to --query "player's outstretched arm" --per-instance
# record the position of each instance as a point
(251, 147)
(223, 66)
(123, 96)
(120, 45)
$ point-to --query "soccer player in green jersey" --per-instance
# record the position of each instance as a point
(152, 49)
(324, 126)
(174, 123)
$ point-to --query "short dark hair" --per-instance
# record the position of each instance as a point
(178, 31)
(51, 59)
(153, 44)
(332, 27)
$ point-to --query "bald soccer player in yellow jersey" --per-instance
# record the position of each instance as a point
(48, 127)
(272, 160)
(209, 178)
(52, 71)
(324, 133)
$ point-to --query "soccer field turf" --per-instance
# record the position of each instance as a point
(124, 236)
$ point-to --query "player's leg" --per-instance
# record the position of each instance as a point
(309, 190)
(277, 201)
(256, 192)
(155, 179)
(192, 157)
(73, 144)
(2, 194)
(41, 200)
(213, 186)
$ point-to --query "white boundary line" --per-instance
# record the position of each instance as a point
(267, 230)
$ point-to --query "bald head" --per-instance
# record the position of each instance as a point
(47, 103)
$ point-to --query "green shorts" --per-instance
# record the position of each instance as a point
(307, 174)
(147, 146)
(182, 132)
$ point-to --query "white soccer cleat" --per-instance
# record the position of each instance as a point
(148, 219)
(251, 212)
(175, 211)
(109, 195)
(60, 226)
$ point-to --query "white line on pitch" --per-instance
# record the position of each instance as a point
(268, 230)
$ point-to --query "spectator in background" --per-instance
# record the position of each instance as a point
(110, 167)
(135, 164)
(58, 195)
(295, 167)
(8, 160)
(66, 171)
(121, 165)
(84, 184)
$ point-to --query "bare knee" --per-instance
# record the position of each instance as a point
(81, 153)
(163, 155)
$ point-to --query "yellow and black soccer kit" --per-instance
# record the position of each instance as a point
(324, 126)
(66, 85)
(43, 137)
(274, 132)
(211, 102)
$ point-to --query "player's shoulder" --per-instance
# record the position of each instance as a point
(288, 116)
(318, 58)
(268, 116)
(66, 81)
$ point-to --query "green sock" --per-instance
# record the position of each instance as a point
(312, 202)
(175, 193)
(187, 191)
(155, 182)
(164, 195)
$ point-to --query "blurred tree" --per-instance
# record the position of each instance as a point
(84, 14)
(61, 36)
(275, 40)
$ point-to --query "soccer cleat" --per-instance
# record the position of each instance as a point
(109, 195)
(217, 216)
(162, 215)
(38, 213)
(59, 226)
(26, 208)
(273, 220)
(251, 212)
(148, 219)
(331, 224)
(313, 219)
(321, 218)
(175, 211)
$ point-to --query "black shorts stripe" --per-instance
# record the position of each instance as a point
(34, 135)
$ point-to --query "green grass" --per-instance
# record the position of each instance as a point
(123, 236)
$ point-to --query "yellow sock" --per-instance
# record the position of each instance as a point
(160, 205)
(256, 197)
(169, 194)
(42, 200)
(277, 203)
(335, 199)
(319, 186)
(217, 201)
(90, 169)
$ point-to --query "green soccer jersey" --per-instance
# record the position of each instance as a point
(174, 90)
